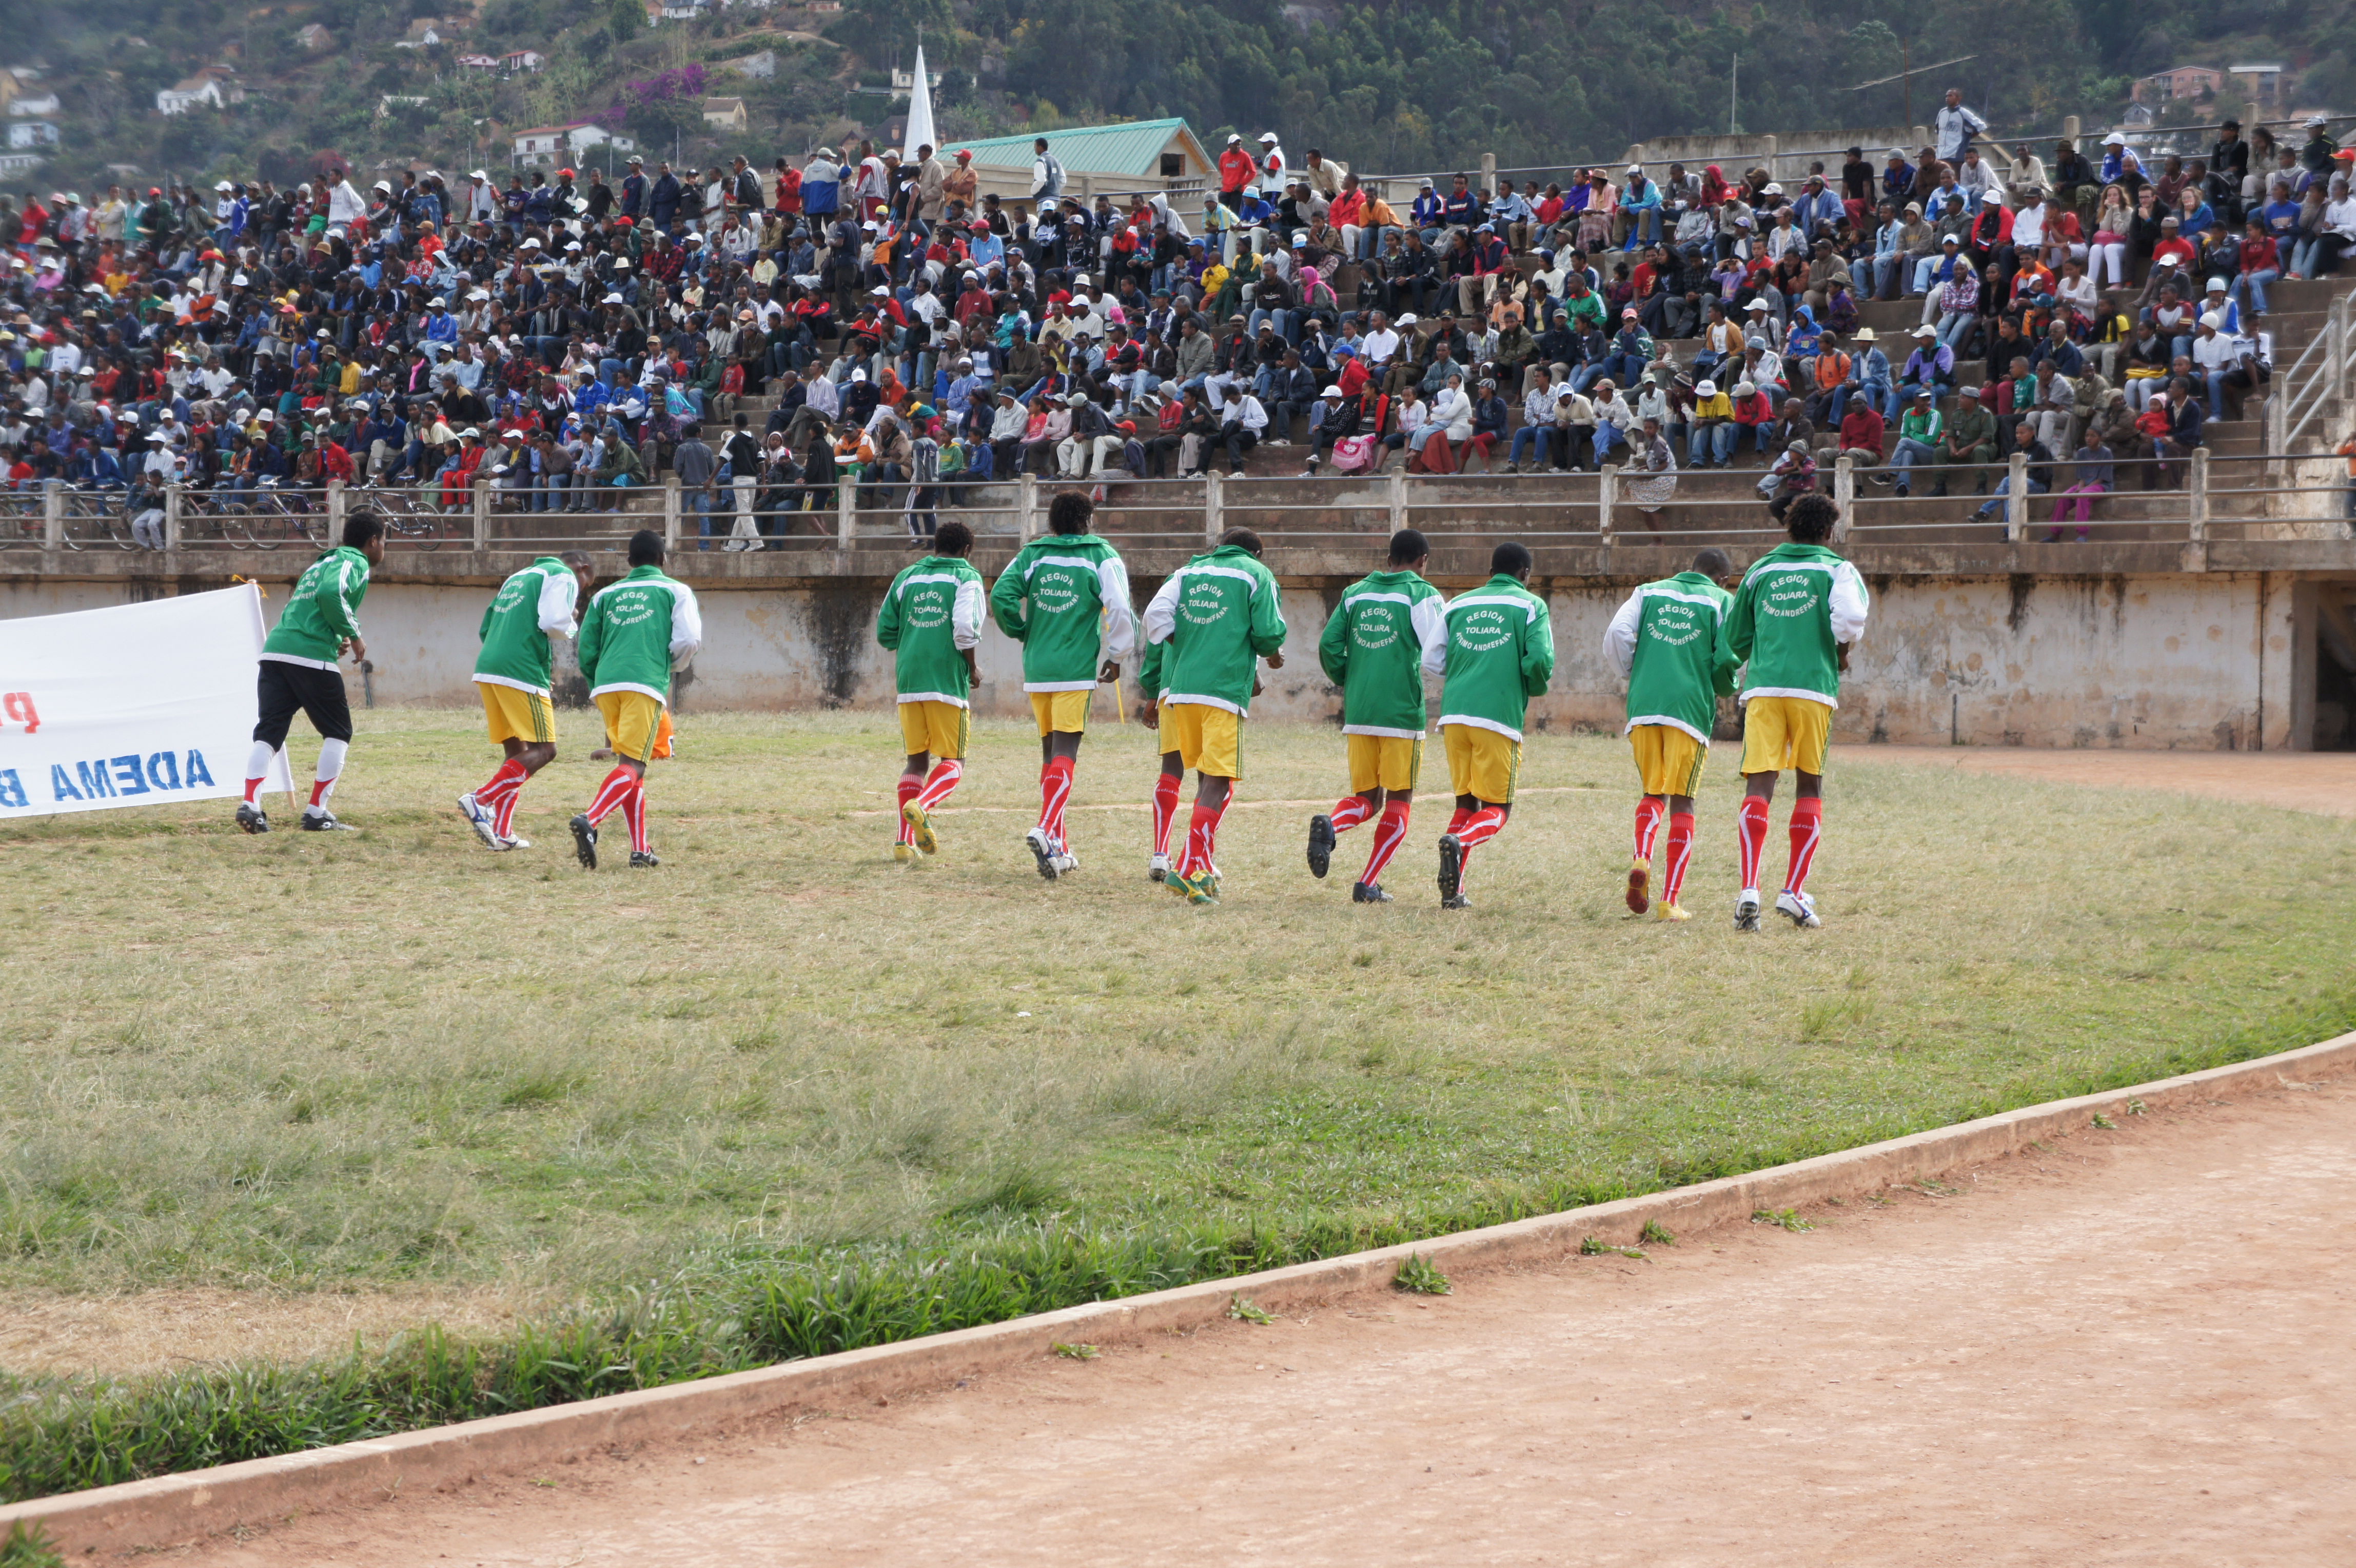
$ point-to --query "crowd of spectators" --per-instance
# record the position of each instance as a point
(562, 338)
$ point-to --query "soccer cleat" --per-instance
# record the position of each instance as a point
(1458, 902)
(1065, 859)
(252, 818)
(322, 820)
(1670, 912)
(480, 819)
(921, 825)
(584, 841)
(1640, 882)
(1368, 893)
(1322, 840)
(643, 860)
(1043, 850)
(1451, 871)
(1201, 888)
(1178, 884)
(1746, 910)
(1799, 908)
(904, 853)
(515, 841)
(1158, 870)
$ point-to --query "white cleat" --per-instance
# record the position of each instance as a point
(515, 841)
(1066, 861)
(480, 820)
(1043, 849)
(1800, 908)
(1159, 870)
(1746, 910)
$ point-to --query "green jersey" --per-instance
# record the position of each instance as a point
(1796, 607)
(1209, 627)
(1385, 633)
(1665, 644)
(1500, 655)
(637, 632)
(931, 615)
(1065, 599)
(322, 612)
(531, 606)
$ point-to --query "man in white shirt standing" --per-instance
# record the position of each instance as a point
(1955, 125)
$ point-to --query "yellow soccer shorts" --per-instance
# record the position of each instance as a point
(1390, 762)
(514, 715)
(634, 722)
(1064, 711)
(939, 727)
(1785, 732)
(1670, 759)
(1481, 762)
(1206, 739)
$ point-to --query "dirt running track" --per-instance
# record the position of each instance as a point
(2319, 781)
(2131, 1347)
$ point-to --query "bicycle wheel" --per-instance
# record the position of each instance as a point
(258, 523)
(424, 529)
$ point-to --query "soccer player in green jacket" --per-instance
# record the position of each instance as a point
(298, 669)
(1065, 599)
(513, 674)
(637, 631)
(1665, 644)
(1500, 655)
(1799, 609)
(1388, 632)
(931, 621)
(1206, 632)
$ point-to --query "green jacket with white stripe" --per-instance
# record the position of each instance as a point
(1385, 633)
(322, 612)
(637, 632)
(1209, 627)
(1798, 605)
(1665, 643)
(1065, 599)
(530, 607)
(1500, 655)
(931, 615)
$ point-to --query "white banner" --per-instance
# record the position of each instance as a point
(135, 705)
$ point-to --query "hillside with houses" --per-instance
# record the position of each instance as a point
(149, 88)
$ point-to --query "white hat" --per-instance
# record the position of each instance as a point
(224, 185)
(1745, 389)
(530, 244)
(263, 416)
(1704, 387)
(2115, 140)
(436, 302)
(880, 292)
(1408, 320)
(1233, 139)
(479, 293)
(1268, 135)
(1772, 189)
(2314, 119)
(1301, 236)
(1330, 391)
(2216, 285)
(1926, 330)
(613, 299)
(2214, 321)
(858, 375)
(1635, 168)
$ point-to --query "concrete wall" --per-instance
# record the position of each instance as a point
(2204, 662)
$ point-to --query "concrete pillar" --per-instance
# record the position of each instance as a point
(174, 495)
(1844, 495)
(1921, 136)
(339, 502)
(1607, 491)
(2196, 494)
(1635, 155)
(1767, 145)
(2069, 130)
(53, 515)
(1396, 479)
(1026, 513)
(481, 495)
(846, 516)
(1488, 175)
(1213, 508)
(2015, 499)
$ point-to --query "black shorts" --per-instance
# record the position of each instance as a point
(283, 689)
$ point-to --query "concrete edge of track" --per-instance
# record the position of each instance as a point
(172, 1509)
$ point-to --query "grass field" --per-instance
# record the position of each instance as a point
(782, 1096)
(306, 1062)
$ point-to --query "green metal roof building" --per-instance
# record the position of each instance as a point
(1141, 156)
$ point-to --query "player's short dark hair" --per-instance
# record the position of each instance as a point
(646, 548)
(1811, 517)
(692, 432)
(363, 527)
(1511, 559)
(1409, 544)
(1713, 563)
(1069, 512)
(953, 539)
(578, 560)
(1243, 537)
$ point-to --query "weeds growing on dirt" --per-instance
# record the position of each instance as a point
(1781, 1218)
(1420, 1275)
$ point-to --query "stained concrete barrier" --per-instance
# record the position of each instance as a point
(173, 1510)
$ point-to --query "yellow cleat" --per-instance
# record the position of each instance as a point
(1640, 882)
(922, 826)
(904, 853)
(1671, 912)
